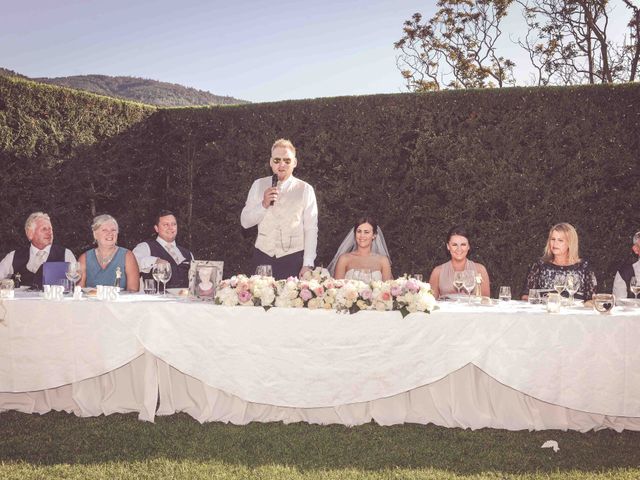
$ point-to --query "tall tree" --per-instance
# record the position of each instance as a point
(456, 48)
(568, 42)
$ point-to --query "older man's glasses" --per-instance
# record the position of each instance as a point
(286, 161)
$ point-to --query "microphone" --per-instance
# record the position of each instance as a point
(274, 183)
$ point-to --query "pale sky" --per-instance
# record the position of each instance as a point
(249, 49)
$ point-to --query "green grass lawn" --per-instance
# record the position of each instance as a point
(58, 445)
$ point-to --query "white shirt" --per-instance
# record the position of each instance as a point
(142, 252)
(620, 287)
(6, 265)
(253, 213)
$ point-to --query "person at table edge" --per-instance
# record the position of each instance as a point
(286, 215)
(627, 270)
(27, 261)
(561, 257)
(164, 249)
(101, 265)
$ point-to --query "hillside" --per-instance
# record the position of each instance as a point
(151, 92)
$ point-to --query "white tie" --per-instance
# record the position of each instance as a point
(173, 252)
(37, 260)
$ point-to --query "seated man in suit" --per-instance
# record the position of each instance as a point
(24, 264)
(626, 271)
(163, 249)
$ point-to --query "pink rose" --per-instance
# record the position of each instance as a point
(412, 286)
(318, 291)
(386, 296)
(396, 290)
(366, 294)
(244, 296)
(306, 295)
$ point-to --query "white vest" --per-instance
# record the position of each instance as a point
(281, 231)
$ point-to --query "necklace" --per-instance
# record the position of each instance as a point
(105, 260)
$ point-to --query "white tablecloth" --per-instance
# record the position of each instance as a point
(302, 360)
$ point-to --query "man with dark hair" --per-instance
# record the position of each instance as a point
(163, 249)
(25, 264)
(626, 271)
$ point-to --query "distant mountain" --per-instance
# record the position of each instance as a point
(151, 92)
(10, 73)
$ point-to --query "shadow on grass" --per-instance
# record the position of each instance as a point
(61, 438)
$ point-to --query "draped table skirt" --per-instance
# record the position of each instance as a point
(512, 366)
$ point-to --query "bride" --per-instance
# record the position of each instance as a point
(363, 248)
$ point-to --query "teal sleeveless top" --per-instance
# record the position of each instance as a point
(107, 276)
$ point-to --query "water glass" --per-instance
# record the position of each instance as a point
(149, 286)
(505, 294)
(554, 301)
(264, 271)
(67, 285)
(534, 296)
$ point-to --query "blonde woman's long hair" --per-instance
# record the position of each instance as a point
(572, 239)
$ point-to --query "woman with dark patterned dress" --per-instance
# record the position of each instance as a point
(561, 257)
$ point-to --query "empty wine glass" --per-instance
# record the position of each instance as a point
(572, 285)
(162, 273)
(634, 286)
(469, 282)
(74, 272)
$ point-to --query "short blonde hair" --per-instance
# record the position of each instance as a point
(572, 239)
(30, 224)
(283, 142)
(101, 220)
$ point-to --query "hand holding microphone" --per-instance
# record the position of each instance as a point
(271, 194)
(274, 184)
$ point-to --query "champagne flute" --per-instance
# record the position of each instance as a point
(74, 272)
(458, 280)
(469, 282)
(634, 286)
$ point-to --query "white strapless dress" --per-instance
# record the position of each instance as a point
(376, 275)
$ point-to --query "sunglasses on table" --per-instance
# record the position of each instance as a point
(287, 161)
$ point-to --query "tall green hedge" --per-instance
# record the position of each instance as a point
(507, 163)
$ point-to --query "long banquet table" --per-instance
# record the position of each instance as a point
(510, 366)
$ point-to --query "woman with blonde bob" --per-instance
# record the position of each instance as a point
(100, 265)
(561, 257)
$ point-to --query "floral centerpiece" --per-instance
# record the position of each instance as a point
(317, 290)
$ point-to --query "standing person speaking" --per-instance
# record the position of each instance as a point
(286, 212)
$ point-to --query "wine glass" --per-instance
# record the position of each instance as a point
(74, 272)
(634, 286)
(559, 283)
(162, 273)
(469, 282)
(458, 280)
(572, 286)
